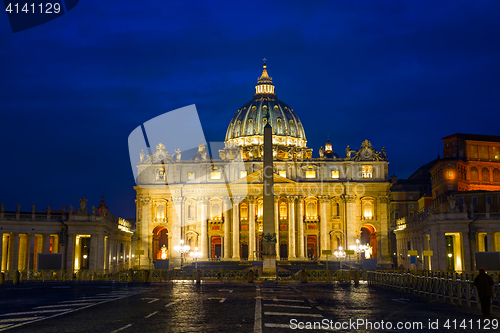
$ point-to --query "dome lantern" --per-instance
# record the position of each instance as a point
(264, 83)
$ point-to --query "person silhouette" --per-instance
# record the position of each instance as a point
(483, 283)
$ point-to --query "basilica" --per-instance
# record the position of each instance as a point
(214, 204)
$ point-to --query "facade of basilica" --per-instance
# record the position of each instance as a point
(214, 203)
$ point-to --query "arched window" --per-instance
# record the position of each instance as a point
(216, 211)
(474, 174)
(160, 212)
(311, 209)
(244, 212)
(496, 176)
(485, 175)
(283, 211)
(367, 209)
(192, 211)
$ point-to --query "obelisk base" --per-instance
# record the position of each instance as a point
(269, 260)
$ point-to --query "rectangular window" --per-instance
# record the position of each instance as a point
(483, 152)
(311, 174)
(335, 174)
(488, 200)
(243, 174)
(395, 197)
(282, 173)
(396, 215)
(450, 187)
(160, 174)
(191, 175)
(460, 202)
(474, 201)
(366, 171)
(410, 197)
(215, 175)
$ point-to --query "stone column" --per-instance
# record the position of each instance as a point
(15, 252)
(277, 226)
(324, 222)
(176, 230)
(227, 228)
(204, 218)
(70, 254)
(383, 234)
(46, 243)
(146, 212)
(236, 229)
(489, 239)
(251, 227)
(349, 221)
(300, 220)
(291, 227)
(101, 253)
(31, 251)
(107, 252)
(1, 252)
(93, 251)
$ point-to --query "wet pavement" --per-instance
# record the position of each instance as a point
(228, 307)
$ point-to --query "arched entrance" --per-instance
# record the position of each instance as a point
(369, 237)
(216, 247)
(283, 251)
(244, 251)
(160, 239)
(312, 247)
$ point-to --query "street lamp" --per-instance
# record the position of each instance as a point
(195, 255)
(358, 249)
(340, 254)
(182, 249)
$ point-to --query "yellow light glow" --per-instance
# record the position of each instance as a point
(282, 173)
(311, 174)
(335, 174)
(243, 174)
(215, 175)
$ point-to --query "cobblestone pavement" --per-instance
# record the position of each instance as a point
(228, 307)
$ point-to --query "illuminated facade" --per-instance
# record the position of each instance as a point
(96, 240)
(471, 224)
(215, 204)
(470, 162)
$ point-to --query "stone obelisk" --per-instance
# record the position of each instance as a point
(269, 235)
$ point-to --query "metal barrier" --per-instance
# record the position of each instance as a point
(163, 275)
(452, 288)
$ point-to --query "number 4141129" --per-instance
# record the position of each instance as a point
(43, 8)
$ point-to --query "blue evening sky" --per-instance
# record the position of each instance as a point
(402, 74)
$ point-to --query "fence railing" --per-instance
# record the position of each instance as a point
(163, 275)
(452, 288)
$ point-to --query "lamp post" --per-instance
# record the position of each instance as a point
(340, 254)
(358, 249)
(195, 255)
(182, 249)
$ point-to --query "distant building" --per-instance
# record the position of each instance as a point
(471, 224)
(470, 162)
(95, 240)
(460, 213)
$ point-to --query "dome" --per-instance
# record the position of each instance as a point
(247, 126)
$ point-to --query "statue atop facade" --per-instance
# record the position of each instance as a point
(321, 152)
(33, 209)
(2, 208)
(348, 152)
(452, 201)
(83, 207)
(48, 210)
(141, 155)
(93, 210)
(70, 210)
(18, 208)
(178, 154)
(384, 152)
